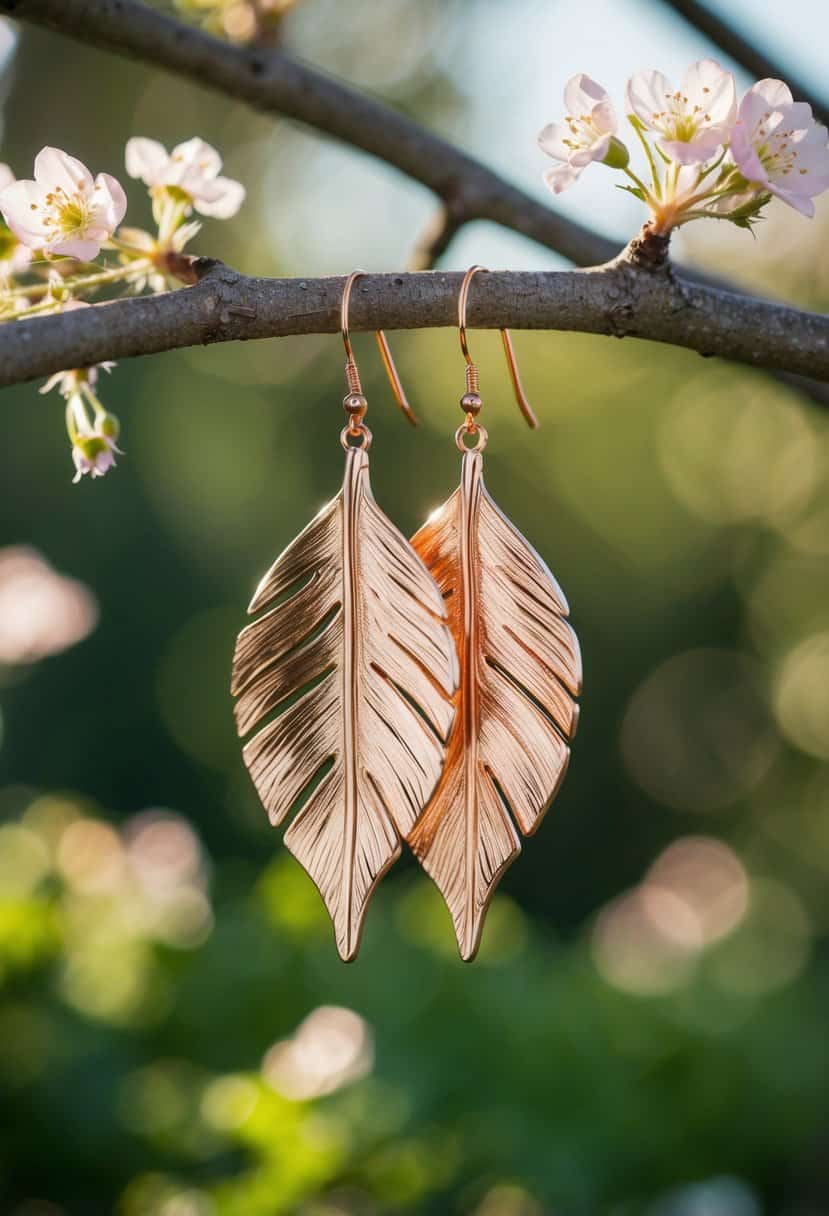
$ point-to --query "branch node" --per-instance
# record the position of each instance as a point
(201, 267)
(649, 251)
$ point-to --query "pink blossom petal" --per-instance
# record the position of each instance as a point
(145, 159)
(745, 157)
(55, 169)
(220, 198)
(772, 94)
(797, 117)
(6, 176)
(800, 202)
(581, 94)
(752, 109)
(697, 150)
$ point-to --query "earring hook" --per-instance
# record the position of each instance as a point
(471, 400)
(355, 401)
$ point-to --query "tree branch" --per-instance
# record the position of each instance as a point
(705, 319)
(744, 52)
(277, 84)
(618, 299)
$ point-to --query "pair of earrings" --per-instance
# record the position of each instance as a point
(417, 690)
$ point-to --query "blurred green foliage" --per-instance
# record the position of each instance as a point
(644, 1031)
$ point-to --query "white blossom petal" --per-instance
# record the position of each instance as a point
(113, 200)
(596, 151)
(145, 159)
(25, 211)
(561, 177)
(710, 87)
(57, 170)
(553, 140)
(220, 198)
(85, 249)
(646, 93)
(195, 161)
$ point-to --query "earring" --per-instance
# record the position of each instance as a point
(353, 673)
(520, 672)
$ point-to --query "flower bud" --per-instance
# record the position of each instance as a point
(92, 454)
(108, 426)
(617, 154)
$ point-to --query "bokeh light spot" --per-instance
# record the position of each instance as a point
(24, 860)
(709, 878)
(331, 1048)
(41, 612)
(228, 1102)
(90, 856)
(772, 945)
(746, 453)
(646, 941)
(697, 734)
(802, 695)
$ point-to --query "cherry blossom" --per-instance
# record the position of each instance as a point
(93, 441)
(586, 135)
(64, 210)
(192, 170)
(93, 453)
(691, 122)
(14, 257)
(778, 146)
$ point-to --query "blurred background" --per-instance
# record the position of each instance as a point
(645, 1030)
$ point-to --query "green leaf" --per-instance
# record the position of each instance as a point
(634, 190)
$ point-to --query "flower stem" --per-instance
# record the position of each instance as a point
(92, 398)
(657, 185)
(118, 274)
(649, 199)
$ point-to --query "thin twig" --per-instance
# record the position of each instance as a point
(273, 82)
(618, 299)
(437, 236)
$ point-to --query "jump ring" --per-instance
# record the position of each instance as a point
(464, 430)
(361, 432)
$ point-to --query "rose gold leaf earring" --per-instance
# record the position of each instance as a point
(350, 677)
(520, 672)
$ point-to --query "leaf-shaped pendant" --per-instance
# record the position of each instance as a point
(520, 671)
(357, 664)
